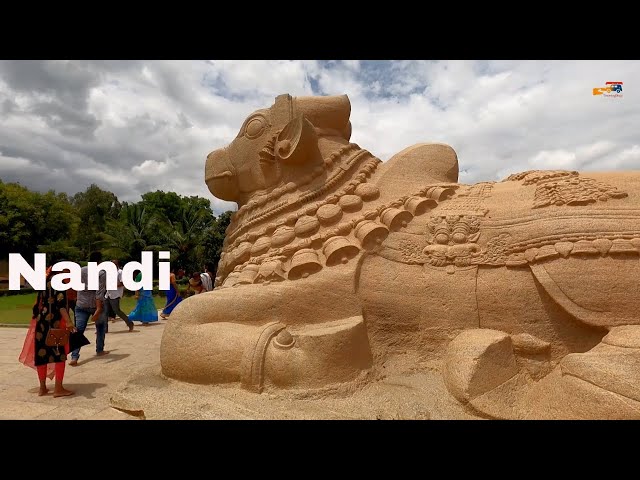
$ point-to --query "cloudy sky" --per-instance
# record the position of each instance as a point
(136, 126)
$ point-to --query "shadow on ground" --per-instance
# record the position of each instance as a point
(108, 358)
(86, 390)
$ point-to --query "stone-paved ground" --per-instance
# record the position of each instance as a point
(94, 379)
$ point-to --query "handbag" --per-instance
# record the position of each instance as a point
(57, 337)
(77, 340)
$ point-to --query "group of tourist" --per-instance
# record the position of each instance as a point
(200, 282)
(47, 344)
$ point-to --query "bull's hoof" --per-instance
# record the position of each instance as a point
(307, 357)
(478, 362)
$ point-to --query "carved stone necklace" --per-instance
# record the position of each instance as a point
(252, 217)
(307, 216)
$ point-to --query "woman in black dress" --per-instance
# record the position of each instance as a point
(50, 311)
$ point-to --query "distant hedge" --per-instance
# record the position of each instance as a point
(127, 293)
(22, 291)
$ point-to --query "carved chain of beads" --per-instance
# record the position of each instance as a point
(365, 171)
(383, 218)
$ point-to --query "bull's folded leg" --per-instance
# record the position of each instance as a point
(481, 370)
(274, 355)
(602, 383)
(207, 353)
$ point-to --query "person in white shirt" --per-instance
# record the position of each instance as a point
(112, 299)
(207, 277)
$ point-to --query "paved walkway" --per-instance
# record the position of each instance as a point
(93, 380)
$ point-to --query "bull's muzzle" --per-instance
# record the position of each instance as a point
(220, 176)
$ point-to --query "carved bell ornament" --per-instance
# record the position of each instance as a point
(419, 205)
(231, 280)
(395, 219)
(304, 262)
(371, 234)
(248, 274)
(339, 250)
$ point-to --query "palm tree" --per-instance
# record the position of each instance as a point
(130, 234)
(185, 237)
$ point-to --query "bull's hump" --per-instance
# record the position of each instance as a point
(416, 166)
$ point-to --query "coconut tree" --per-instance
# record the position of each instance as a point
(185, 236)
(130, 234)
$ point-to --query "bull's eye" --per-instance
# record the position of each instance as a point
(255, 126)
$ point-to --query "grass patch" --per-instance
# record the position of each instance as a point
(16, 309)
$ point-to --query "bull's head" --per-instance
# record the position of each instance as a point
(277, 145)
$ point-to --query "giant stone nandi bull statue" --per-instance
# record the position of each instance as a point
(526, 292)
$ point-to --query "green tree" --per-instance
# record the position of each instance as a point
(185, 237)
(61, 250)
(94, 207)
(214, 238)
(71, 228)
(167, 204)
(130, 234)
(198, 203)
(31, 222)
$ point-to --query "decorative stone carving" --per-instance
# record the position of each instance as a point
(305, 262)
(560, 187)
(341, 275)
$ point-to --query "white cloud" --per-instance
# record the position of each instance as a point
(8, 163)
(352, 64)
(555, 159)
(135, 126)
(631, 155)
(151, 168)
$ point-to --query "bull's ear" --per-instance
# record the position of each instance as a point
(296, 141)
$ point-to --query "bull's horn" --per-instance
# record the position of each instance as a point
(330, 112)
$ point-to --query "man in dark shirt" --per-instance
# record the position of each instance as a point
(90, 306)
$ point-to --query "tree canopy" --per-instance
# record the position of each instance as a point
(70, 228)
